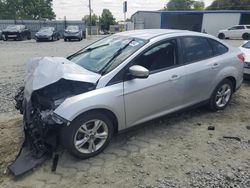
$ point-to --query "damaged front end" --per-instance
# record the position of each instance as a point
(40, 124)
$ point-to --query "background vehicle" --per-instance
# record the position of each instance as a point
(245, 48)
(16, 32)
(47, 34)
(73, 32)
(238, 32)
(121, 81)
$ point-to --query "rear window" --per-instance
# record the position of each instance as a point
(195, 49)
(218, 48)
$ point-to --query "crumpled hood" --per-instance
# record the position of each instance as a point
(43, 71)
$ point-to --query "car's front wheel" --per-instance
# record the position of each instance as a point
(88, 135)
(221, 36)
(221, 95)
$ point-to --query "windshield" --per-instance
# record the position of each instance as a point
(72, 28)
(103, 53)
(14, 27)
(247, 45)
(46, 29)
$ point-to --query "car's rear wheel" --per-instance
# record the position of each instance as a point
(88, 135)
(221, 36)
(221, 95)
(246, 36)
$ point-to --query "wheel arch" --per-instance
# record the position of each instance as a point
(233, 80)
(111, 115)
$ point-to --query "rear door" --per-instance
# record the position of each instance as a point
(201, 67)
(162, 91)
(236, 32)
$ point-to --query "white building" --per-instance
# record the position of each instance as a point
(208, 21)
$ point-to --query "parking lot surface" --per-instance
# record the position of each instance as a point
(172, 151)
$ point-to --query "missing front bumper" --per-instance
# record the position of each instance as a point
(26, 161)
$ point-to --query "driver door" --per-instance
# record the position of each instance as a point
(162, 91)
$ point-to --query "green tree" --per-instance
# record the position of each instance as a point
(27, 9)
(198, 5)
(230, 5)
(106, 19)
(179, 5)
(184, 5)
(94, 19)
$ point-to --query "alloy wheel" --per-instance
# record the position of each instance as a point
(223, 95)
(91, 136)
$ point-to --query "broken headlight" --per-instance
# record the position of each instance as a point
(58, 102)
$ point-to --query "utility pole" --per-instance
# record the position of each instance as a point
(90, 19)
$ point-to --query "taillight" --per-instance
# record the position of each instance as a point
(242, 57)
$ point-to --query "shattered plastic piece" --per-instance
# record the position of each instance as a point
(26, 161)
(211, 128)
(55, 162)
(232, 137)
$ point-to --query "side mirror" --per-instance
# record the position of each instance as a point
(137, 71)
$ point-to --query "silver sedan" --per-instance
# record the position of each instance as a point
(121, 81)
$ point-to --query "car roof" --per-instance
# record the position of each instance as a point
(148, 34)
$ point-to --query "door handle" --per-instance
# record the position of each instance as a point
(215, 65)
(175, 77)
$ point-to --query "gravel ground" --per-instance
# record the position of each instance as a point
(173, 151)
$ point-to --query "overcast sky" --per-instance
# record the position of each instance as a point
(76, 9)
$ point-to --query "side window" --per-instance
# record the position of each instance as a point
(240, 27)
(237, 27)
(159, 57)
(218, 48)
(248, 26)
(195, 49)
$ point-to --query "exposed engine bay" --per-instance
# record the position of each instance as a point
(40, 124)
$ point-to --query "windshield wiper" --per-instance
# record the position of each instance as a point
(86, 50)
(117, 53)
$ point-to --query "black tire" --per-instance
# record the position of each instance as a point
(29, 37)
(246, 36)
(221, 36)
(20, 37)
(212, 102)
(68, 134)
(65, 40)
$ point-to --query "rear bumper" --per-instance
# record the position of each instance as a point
(247, 71)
